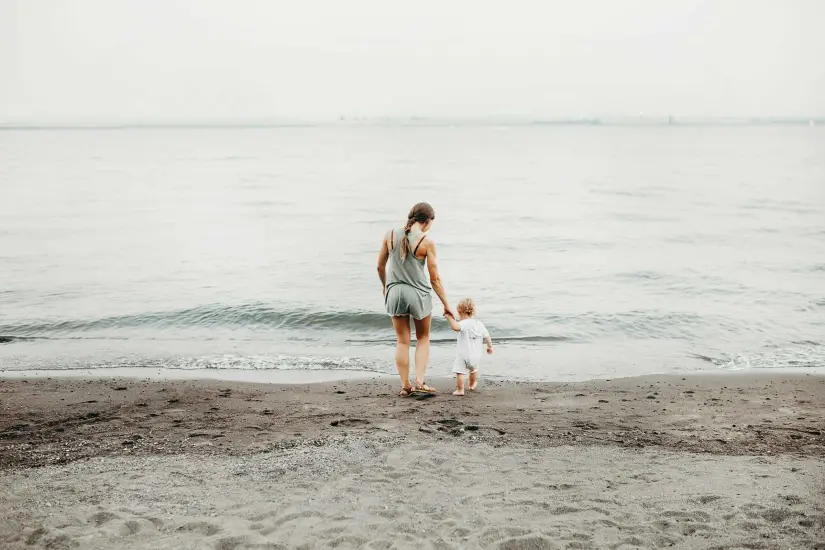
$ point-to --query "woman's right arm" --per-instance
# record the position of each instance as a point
(435, 279)
(383, 256)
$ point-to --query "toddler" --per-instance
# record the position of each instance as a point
(471, 335)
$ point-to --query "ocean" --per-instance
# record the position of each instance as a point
(591, 251)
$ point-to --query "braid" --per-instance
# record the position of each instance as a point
(421, 213)
(405, 243)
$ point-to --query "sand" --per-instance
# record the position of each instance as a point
(668, 461)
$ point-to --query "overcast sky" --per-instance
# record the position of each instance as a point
(222, 59)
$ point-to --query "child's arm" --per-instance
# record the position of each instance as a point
(487, 340)
(453, 323)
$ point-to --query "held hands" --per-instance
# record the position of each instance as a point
(448, 312)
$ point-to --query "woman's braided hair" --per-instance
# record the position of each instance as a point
(421, 213)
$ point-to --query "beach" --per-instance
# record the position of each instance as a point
(695, 461)
(206, 293)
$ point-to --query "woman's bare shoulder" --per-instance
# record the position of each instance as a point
(427, 246)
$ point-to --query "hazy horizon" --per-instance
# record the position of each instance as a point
(413, 120)
(100, 61)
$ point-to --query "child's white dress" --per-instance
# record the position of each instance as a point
(470, 345)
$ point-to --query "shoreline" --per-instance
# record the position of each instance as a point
(320, 376)
(252, 376)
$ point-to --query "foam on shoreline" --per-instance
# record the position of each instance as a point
(264, 376)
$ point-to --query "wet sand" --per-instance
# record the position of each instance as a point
(724, 461)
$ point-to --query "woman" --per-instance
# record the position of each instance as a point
(411, 254)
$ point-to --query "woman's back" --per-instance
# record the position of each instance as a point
(409, 270)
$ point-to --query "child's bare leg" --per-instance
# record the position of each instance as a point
(459, 384)
(473, 380)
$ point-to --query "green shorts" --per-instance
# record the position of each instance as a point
(402, 299)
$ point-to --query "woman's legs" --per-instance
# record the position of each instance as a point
(422, 347)
(401, 324)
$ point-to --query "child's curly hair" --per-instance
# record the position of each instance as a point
(467, 307)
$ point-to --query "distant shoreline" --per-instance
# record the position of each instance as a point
(644, 121)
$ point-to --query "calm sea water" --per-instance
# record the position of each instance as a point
(591, 251)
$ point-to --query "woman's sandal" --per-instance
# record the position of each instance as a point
(406, 392)
(424, 388)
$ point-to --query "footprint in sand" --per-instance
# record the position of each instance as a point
(563, 510)
(349, 422)
(229, 543)
(696, 515)
(348, 542)
(60, 542)
(497, 536)
(634, 542)
(527, 543)
(102, 518)
(35, 535)
(777, 515)
(129, 528)
(158, 523)
(201, 527)
(280, 521)
(398, 458)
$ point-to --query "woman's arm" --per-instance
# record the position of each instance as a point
(383, 256)
(435, 279)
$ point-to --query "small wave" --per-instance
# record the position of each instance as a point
(246, 316)
(498, 340)
(262, 362)
(642, 324)
(231, 362)
(353, 326)
(780, 206)
(802, 355)
(4, 339)
(641, 275)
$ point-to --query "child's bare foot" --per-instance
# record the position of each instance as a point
(473, 387)
(459, 393)
(473, 381)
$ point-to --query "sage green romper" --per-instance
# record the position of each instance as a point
(408, 282)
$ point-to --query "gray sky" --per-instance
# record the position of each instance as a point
(196, 59)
